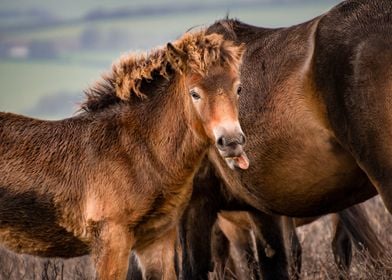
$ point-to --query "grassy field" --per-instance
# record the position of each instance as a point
(24, 83)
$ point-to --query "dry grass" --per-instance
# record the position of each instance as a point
(317, 258)
(17, 267)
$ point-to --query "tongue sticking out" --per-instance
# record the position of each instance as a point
(242, 161)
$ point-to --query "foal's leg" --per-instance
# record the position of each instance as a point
(111, 250)
(157, 260)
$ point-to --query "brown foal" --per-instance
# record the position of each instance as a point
(117, 176)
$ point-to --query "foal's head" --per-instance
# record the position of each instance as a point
(203, 67)
(210, 67)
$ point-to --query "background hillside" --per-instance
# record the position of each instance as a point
(51, 50)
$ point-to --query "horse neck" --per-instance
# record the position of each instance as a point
(175, 146)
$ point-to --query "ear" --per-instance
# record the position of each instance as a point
(176, 57)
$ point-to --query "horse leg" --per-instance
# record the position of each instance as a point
(195, 238)
(238, 231)
(221, 253)
(244, 255)
(363, 123)
(356, 224)
(294, 247)
(110, 251)
(270, 246)
(196, 227)
(158, 259)
(342, 248)
(134, 272)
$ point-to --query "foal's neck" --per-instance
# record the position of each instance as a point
(174, 143)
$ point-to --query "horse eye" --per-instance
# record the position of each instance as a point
(239, 89)
(195, 95)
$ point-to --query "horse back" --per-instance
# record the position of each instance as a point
(31, 149)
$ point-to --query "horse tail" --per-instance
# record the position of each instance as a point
(356, 223)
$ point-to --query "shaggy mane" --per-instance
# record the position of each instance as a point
(124, 81)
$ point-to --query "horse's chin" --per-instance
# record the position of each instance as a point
(240, 161)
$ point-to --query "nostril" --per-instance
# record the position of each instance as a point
(221, 141)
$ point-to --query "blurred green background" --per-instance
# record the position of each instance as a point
(50, 51)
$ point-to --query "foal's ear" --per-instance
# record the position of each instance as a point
(176, 57)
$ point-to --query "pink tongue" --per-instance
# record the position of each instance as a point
(242, 161)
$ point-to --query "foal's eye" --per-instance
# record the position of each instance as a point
(194, 94)
(239, 89)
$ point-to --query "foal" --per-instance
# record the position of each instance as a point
(117, 176)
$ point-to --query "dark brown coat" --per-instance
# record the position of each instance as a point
(316, 108)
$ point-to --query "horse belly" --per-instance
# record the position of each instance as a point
(318, 196)
(46, 244)
(30, 225)
(320, 177)
(299, 167)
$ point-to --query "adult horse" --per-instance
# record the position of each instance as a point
(316, 108)
(117, 176)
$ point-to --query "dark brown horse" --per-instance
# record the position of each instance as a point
(316, 107)
(117, 176)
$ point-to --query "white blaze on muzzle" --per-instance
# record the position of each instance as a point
(229, 140)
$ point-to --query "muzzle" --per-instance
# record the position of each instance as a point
(230, 141)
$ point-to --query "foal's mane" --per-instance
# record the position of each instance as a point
(199, 52)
